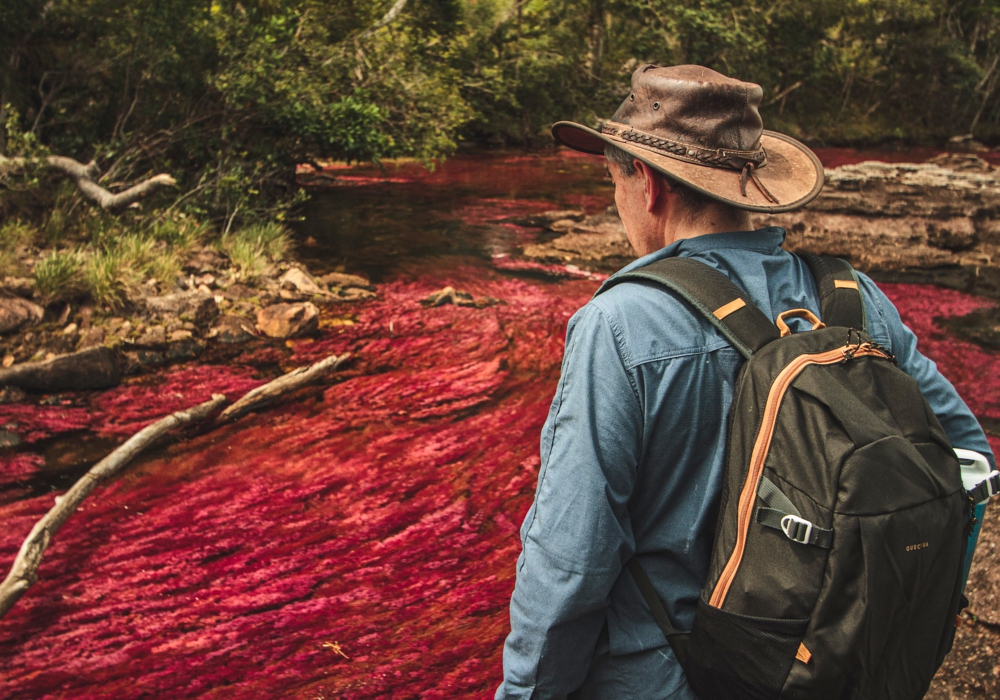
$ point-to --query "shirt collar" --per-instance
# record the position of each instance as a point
(763, 240)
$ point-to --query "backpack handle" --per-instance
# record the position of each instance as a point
(804, 313)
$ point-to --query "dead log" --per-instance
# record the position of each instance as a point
(85, 177)
(24, 572)
(263, 395)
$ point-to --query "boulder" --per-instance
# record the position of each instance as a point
(197, 307)
(206, 260)
(236, 292)
(288, 320)
(21, 286)
(345, 281)
(16, 313)
(232, 329)
(157, 335)
(93, 368)
(935, 222)
(301, 281)
(91, 337)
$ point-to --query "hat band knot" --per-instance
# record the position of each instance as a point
(691, 153)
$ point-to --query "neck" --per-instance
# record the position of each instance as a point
(681, 222)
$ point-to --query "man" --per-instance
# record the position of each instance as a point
(632, 451)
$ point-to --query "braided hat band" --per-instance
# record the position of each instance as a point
(746, 162)
(699, 155)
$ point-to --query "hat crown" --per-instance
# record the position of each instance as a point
(694, 105)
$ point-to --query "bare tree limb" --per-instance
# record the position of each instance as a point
(389, 16)
(267, 393)
(24, 572)
(85, 178)
(784, 93)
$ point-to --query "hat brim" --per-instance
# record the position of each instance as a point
(793, 173)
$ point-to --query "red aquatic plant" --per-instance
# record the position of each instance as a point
(358, 542)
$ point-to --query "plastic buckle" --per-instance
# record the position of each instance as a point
(993, 483)
(796, 529)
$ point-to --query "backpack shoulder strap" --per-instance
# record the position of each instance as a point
(722, 303)
(840, 298)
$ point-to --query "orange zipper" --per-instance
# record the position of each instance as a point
(760, 449)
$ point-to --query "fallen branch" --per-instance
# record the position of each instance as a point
(389, 16)
(85, 178)
(267, 393)
(24, 572)
(784, 93)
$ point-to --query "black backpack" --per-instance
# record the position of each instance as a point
(838, 558)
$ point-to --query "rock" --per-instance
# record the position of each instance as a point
(355, 294)
(184, 350)
(599, 238)
(232, 329)
(906, 222)
(208, 279)
(180, 334)
(292, 295)
(301, 281)
(16, 313)
(93, 368)
(138, 360)
(288, 320)
(198, 307)
(449, 295)
(157, 335)
(91, 337)
(20, 286)
(71, 329)
(345, 281)
(11, 394)
(546, 218)
(9, 439)
(966, 142)
(8, 360)
(205, 260)
(238, 291)
(961, 162)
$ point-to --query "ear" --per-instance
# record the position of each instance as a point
(654, 186)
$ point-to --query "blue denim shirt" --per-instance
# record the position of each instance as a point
(632, 457)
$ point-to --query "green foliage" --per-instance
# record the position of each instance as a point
(110, 278)
(229, 97)
(59, 276)
(252, 249)
(181, 235)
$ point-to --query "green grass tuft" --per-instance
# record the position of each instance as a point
(252, 249)
(181, 235)
(59, 276)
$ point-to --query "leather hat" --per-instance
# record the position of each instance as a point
(704, 130)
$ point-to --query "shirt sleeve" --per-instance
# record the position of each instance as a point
(959, 423)
(577, 534)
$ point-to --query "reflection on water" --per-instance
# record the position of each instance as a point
(377, 221)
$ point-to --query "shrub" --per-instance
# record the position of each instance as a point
(58, 276)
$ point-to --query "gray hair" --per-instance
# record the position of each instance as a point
(624, 161)
(626, 164)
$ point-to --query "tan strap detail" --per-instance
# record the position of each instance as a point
(726, 309)
(803, 654)
(804, 313)
(845, 284)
